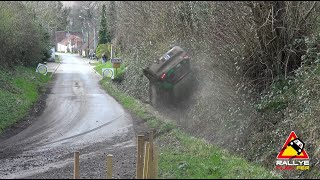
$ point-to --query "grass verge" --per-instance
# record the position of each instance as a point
(183, 156)
(99, 66)
(19, 90)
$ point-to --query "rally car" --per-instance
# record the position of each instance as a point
(169, 77)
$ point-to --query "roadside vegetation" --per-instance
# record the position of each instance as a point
(183, 156)
(256, 64)
(118, 74)
(292, 103)
(19, 90)
(25, 32)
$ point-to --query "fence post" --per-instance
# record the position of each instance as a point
(151, 170)
(109, 166)
(76, 174)
(146, 161)
(140, 156)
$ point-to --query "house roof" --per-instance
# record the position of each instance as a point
(61, 35)
(73, 38)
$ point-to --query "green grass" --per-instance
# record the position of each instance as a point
(19, 90)
(187, 157)
(183, 156)
(99, 66)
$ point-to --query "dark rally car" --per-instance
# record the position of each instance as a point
(169, 76)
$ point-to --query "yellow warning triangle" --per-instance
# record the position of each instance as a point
(288, 152)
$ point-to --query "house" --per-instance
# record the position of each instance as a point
(63, 46)
(71, 44)
(61, 35)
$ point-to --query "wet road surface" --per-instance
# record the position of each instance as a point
(79, 116)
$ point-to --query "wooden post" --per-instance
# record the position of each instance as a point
(155, 161)
(111, 54)
(76, 174)
(151, 170)
(146, 162)
(140, 156)
(109, 166)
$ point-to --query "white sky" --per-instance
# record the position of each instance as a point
(68, 3)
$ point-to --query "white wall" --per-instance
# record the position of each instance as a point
(62, 48)
(53, 54)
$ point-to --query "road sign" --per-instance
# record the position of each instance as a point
(116, 65)
(42, 69)
(108, 72)
(116, 60)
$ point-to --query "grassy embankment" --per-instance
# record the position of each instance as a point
(183, 156)
(119, 72)
(19, 90)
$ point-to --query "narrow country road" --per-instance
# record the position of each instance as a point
(79, 116)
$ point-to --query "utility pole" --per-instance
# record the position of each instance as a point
(88, 44)
(94, 37)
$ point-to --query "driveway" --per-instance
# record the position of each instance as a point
(79, 116)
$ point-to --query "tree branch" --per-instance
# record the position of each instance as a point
(308, 13)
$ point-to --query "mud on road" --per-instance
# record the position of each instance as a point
(75, 114)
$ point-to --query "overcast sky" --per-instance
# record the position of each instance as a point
(68, 3)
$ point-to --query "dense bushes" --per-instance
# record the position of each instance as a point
(300, 87)
(290, 104)
(23, 40)
(253, 41)
(253, 49)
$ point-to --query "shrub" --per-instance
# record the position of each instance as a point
(23, 40)
(104, 48)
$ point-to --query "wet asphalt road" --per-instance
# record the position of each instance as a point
(79, 116)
